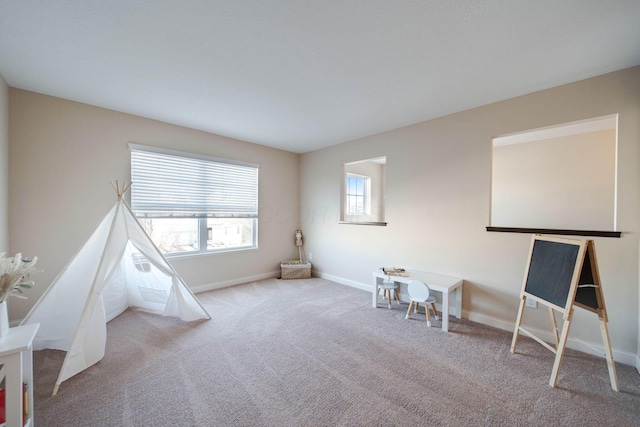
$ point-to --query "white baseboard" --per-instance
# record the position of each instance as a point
(593, 348)
(342, 281)
(596, 349)
(238, 281)
(584, 346)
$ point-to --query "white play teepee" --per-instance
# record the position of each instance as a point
(101, 281)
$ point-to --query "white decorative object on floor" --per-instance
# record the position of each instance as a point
(101, 281)
(419, 294)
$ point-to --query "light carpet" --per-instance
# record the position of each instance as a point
(315, 353)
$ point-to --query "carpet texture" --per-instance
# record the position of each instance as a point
(314, 353)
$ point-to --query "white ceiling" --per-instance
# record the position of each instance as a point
(305, 74)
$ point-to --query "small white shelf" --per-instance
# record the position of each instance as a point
(16, 354)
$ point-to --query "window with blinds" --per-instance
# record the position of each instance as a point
(189, 203)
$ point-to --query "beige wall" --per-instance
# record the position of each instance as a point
(438, 202)
(64, 155)
(4, 165)
(562, 183)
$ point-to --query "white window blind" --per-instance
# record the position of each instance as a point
(173, 184)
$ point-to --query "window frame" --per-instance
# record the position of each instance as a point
(366, 194)
(250, 212)
(376, 170)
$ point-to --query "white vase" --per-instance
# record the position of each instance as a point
(4, 319)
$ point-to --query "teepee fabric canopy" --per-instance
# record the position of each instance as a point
(118, 267)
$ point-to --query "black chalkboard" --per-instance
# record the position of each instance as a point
(551, 271)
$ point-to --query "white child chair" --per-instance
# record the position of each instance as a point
(388, 287)
(419, 294)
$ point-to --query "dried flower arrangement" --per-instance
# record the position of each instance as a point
(15, 275)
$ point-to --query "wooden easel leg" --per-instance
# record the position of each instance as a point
(607, 348)
(554, 324)
(514, 340)
(560, 350)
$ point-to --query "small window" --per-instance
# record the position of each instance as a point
(364, 192)
(358, 194)
(192, 204)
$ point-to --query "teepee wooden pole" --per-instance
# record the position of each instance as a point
(120, 190)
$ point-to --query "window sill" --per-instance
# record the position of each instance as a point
(591, 233)
(193, 254)
(381, 224)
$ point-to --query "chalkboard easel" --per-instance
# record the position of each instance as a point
(561, 274)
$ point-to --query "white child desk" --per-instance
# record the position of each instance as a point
(436, 282)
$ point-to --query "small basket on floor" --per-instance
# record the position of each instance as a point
(295, 270)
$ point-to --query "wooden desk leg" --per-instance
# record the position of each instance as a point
(445, 311)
